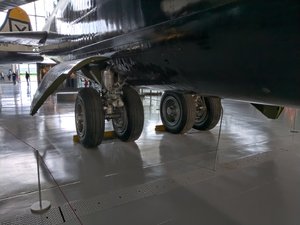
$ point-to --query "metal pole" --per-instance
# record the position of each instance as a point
(218, 142)
(150, 98)
(35, 16)
(40, 206)
(39, 180)
(293, 130)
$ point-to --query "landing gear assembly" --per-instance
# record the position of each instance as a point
(180, 112)
(208, 112)
(114, 101)
(177, 112)
(111, 99)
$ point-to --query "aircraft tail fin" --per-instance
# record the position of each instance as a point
(16, 20)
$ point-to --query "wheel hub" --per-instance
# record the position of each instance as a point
(80, 119)
(172, 110)
(201, 109)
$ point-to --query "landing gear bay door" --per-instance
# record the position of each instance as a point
(56, 77)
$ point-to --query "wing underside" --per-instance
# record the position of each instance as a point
(20, 47)
(29, 38)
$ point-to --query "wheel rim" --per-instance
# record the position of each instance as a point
(201, 110)
(80, 119)
(120, 124)
(171, 111)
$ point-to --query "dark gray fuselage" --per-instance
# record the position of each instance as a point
(241, 49)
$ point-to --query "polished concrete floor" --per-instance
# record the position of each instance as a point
(250, 175)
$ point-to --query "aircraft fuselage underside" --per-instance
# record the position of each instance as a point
(197, 51)
(245, 50)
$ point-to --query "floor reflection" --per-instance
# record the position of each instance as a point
(16, 99)
(114, 165)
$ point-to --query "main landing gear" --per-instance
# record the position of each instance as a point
(177, 112)
(113, 101)
(180, 112)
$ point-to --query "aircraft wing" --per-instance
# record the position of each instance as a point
(33, 38)
(21, 47)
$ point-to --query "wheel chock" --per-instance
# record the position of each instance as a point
(160, 128)
(75, 138)
(107, 135)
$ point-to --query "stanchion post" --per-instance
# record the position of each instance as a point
(293, 130)
(42, 205)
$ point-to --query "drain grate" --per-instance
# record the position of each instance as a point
(53, 216)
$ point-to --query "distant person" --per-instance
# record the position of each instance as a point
(9, 75)
(86, 83)
(27, 75)
(2, 76)
(14, 78)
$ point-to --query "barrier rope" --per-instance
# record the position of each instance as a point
(48, 170)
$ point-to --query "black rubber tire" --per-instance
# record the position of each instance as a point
(131, 123)
(177, 112)
(210, 114)
(89, 117)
